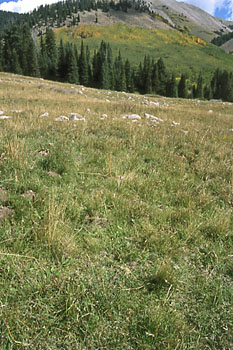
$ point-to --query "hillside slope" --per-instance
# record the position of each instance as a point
(200, 22)
(181, 51)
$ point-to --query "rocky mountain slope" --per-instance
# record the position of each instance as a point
(155, 14)
(179, 14)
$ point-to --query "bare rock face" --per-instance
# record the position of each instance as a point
(5, 213)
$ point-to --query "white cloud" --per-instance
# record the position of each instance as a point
(208, 5)
(211, 6)
(22, 6)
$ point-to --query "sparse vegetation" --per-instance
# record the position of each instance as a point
(125, 241)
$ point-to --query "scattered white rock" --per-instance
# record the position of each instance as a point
(103, 116)
(76, 117)
(46, 114)
(231, 129)
(131, 116)
(107, 100)
(2, 117)
(88, 110)
(1, 112)
(62, 118)
(153, 118)
(44, 153)
(152, 103)
(175, 123)
(16, 111)
(185, 132)
(210, 111)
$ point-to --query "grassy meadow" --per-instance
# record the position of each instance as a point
(115, 233)
(180, 51)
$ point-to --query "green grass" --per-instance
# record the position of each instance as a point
(181, 52)
(130, 247)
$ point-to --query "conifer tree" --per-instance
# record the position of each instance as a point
(62, 64)
(104, 80)
(43, 59)
(33, 66)
(155, 78)
(200, 91)
(163, 77)
(51, 51)
(147, 75)
(14, 64)
(208, 93)
(182, 89)
(72, 69)
(226, 86)
(1, 56)
(83, 66)
(127, 75)
(171, 88)
(119, 72)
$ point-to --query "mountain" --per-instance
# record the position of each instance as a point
(154, 14)
(179, 14)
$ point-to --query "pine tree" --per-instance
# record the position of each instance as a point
(119, 73)
(163, 77)
(216, 84)
(227, 88)
(208, 94)
(33, 66)
(43, 59)
(62, 64)
(1, 56)
(51, 51)
(72, 69)
(171, 88)
(83, 66)
(200, 91)
(104, 81)
(147, 75)
(14, 65)
(182, 89)
(128, 75)
(155, 78)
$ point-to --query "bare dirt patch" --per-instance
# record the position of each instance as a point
(5, 213)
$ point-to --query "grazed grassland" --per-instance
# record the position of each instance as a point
(120, 232)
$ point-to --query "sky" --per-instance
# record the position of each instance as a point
(220, 8)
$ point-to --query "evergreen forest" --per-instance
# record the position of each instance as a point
(66, 63)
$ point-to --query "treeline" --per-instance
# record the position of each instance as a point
(222, 38)
(7, 18)
(56, 14)
(66, 63)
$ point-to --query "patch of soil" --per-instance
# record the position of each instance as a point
(3, 195)
(29, 195)
(5, 213)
